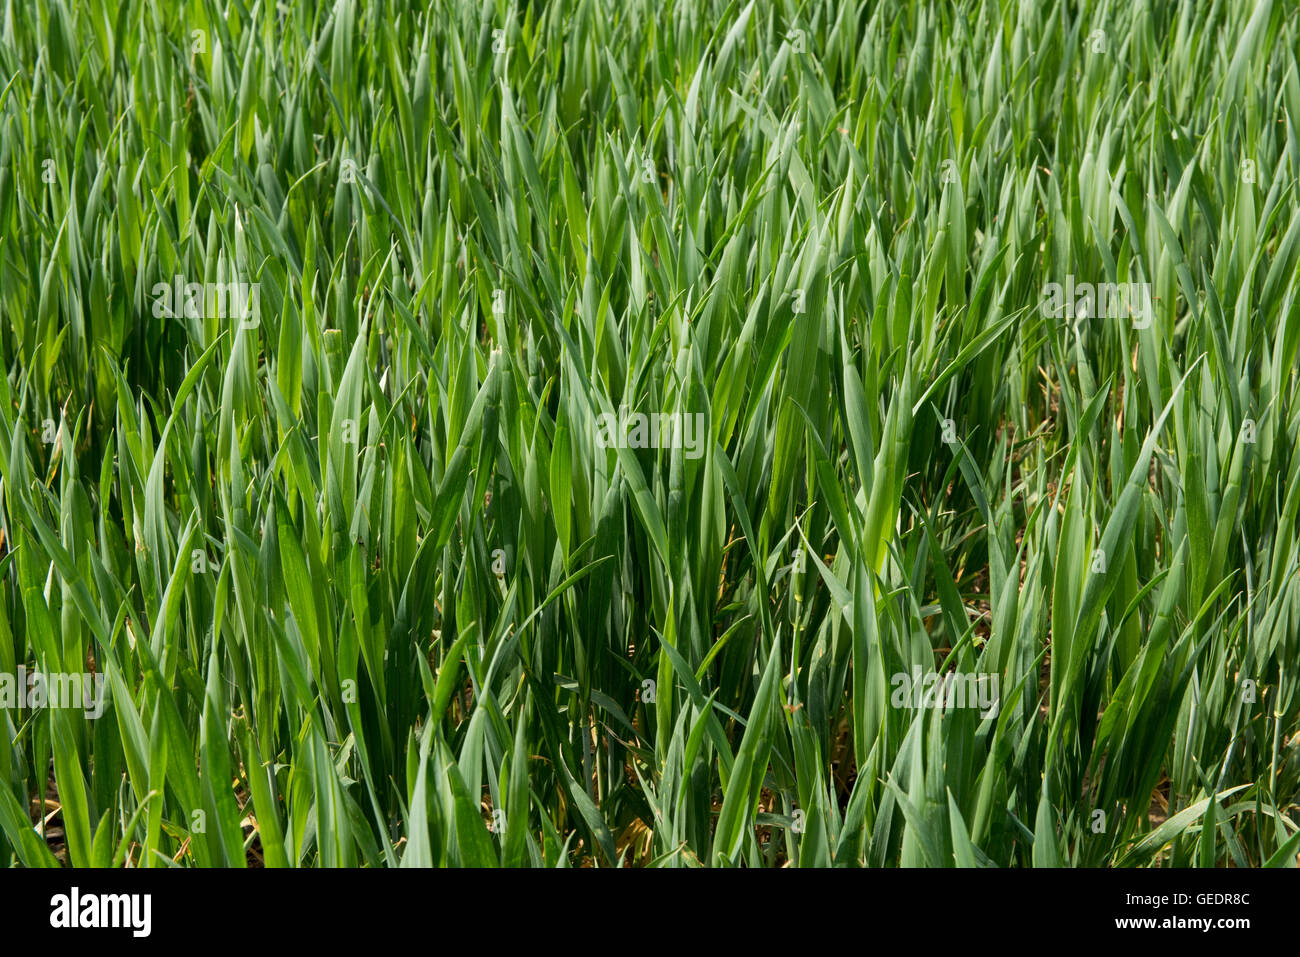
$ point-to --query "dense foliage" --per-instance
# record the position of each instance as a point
(377, 573)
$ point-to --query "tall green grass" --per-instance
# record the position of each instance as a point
(368, 591)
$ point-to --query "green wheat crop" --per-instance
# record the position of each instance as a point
(366, 578)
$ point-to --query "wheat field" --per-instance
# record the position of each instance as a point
(673, 433)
